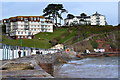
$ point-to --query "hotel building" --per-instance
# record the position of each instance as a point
(27, 26)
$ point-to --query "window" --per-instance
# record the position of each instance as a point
(29, 33)
(38, 18)
(21, 18)
(20, 36)
(18, 32)
(21, 32)
(42, 22)
(25, 19)
(35, 18)
(5, 21)
(31, 18)
(42, 26)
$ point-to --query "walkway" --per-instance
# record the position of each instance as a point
(37, 72)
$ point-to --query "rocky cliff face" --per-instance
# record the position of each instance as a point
(108, 41)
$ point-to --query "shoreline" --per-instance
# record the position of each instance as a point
(94, 54)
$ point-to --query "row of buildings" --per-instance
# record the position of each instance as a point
(95, 19)
(26, 27)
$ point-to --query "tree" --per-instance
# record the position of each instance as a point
(70, 16)
(63, 11)
(118, 24)
(53, 11)
(4, 28)
(83, 15)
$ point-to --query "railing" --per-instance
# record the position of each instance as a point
(26, 28)
(43, 23)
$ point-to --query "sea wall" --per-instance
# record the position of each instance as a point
(48, 61)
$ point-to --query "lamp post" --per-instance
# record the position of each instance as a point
(34, 43)
(20, 41)
(45, 43)
(43, 39)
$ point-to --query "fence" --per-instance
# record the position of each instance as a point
(11, 52)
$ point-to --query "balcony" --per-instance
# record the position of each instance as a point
(42, 19)
(97, 18)
(26, 23)
(26, 28)
(43, 23)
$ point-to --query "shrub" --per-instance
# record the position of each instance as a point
(94, 44)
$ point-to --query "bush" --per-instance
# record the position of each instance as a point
(94, 44)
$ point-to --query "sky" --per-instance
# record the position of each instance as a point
(119, 12)
(109, 9)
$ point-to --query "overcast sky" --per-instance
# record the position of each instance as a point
(109, 9)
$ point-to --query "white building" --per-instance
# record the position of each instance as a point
(95, 19)
(98, 19)
(78, 20)
(27, 26)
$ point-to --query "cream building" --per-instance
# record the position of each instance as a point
(27, 26)
(58, 46)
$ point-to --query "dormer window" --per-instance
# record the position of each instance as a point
(21, 18)
(5, 21)
(25, 19)
(35, 18)
(38, 18)
(31, 18)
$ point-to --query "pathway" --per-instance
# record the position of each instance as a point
(38, 72)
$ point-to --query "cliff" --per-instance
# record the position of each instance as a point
(108, 41)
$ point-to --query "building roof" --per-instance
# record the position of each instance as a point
(24, 17)
(82, 16)
(18, 18)
(97, 14)
(79, 17)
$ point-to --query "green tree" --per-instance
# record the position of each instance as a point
(94, 44)
(4, 28)
(83, 15)
(53, 11)
(61, 12)
(70, 16)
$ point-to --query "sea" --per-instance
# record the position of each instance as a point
(97, 67)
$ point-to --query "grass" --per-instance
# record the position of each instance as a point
(41, 40)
